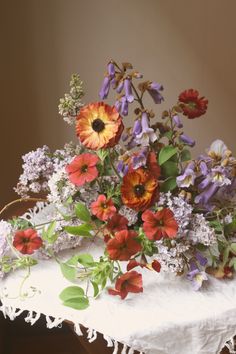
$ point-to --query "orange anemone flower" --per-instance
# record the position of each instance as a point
(139, 189)
(99, 126)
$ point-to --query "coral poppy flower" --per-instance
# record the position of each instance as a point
(193, 106)
(83, 169)
(159, 224)
(130, 282)
(139, 189)
(123, 245)
(103, 208)
(27, 241)
(117, 223)
(99, 126)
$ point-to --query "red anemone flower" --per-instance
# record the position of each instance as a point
(83, 169)
(117, 223)
(27, 241)
(192, 105)
(123, 245)
(130, 282)
(103, 208)
(159, 224)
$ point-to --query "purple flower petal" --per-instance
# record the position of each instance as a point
(128, 91)
(187, 140)
(105, 88)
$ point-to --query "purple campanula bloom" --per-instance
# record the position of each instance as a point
(204, 183)
(187, 178)
(203, 168)
(124, 106)
(140, 159)
(111, 70)
(204, 197)
(197, 277)
(219, 175)
(147, 134)
(105, 88)
(137, 128)
(154, 90)
(187, 140)
(120, 86)
(122, 168)
(118, 105)
(128, 91)
(201, 259)
(177, 121)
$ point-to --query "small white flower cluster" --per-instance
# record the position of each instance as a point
(60, 188)
(181, 209)
(200, 231)
(130, 214)
(5, 231)
(63, 157)
(71, 103)
(37, 168)
(171, 258)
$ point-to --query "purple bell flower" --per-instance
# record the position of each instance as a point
(118, 105)
(204, 197)
(177, 121)
(201, 259)
(105, 88)
(154, 90)
(124, 106)
(147, 134)
(128, 91)
(120, 86)
(137, 128)
(187, 140)
(111, 70)
(186, 179)
(197, 278)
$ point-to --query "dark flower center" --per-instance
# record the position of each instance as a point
(139, 190)
(25, 241)
(84, 168)
(98, 125)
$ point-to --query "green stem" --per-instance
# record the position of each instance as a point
(112, 165)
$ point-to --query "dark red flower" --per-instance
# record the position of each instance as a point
(117, 223)
(27, 241)
(130, 282)
(152, 165)
(159, 224)
(192, 105)
(155, 265)
(123, 245)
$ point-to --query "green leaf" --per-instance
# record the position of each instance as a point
(226, 255)
(95, 289)
(169, 184)
(185, 155)
(68, 272)
(231, 227)
(168, 134)
(85, 259)
(81, 230)
(166, 153)
(71, 292)
(78, 303)
(233, 247)
(82, 212)
(169, 169)
(49, 234)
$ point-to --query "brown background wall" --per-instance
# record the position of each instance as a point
(180, 43)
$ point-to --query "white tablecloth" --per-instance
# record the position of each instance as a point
(167, 318)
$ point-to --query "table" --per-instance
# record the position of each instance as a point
(168, 318)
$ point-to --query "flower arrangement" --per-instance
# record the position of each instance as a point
(135, 188)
